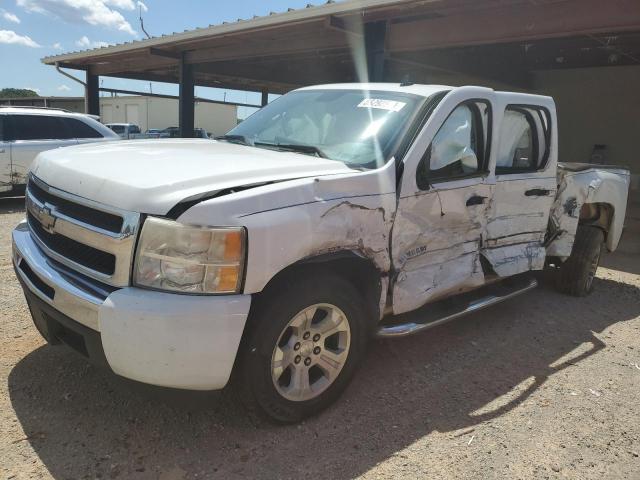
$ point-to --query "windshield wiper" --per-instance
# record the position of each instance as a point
(294, 147)
(240, 139)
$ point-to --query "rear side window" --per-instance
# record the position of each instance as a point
(79, 129)
(35, 127)
(134, 129)
(1, 128)
(525, 134)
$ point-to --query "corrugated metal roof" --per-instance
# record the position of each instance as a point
(331, 7)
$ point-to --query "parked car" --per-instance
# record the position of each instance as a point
(277, 251)
(125, 130)
(27, 131)
(156, 133)
(174, 132)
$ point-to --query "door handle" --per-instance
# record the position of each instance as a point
(537, 192)
(475, 200)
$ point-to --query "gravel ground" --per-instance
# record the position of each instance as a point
(543, 386)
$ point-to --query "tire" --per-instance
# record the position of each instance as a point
(266, 380)
(575, 276)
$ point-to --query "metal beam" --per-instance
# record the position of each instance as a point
(521, 21)
(303, 42)
(163, 53)
(174, 97)
(374, 43)
(341, 25)
(147, 63)
(91, 97)
(186, 100)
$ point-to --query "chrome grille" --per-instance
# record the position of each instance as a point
(97, 218)
(86, 236)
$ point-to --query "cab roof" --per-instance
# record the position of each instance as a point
(414, 88)
(29, 110)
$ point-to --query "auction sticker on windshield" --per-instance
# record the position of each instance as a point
(383, 104)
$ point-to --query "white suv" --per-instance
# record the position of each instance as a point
(27, 131)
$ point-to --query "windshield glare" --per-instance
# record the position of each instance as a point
(358, 128)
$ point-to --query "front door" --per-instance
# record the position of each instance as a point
(445, 193)
(525, 187)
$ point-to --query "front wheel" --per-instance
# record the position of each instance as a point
(305, 341)
(576, 274)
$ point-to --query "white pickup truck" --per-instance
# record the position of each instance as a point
(271, 256)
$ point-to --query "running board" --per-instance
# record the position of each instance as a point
(449, 309)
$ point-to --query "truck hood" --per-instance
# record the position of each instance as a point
(151, 176)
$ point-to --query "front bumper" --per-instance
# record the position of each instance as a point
(164, 339)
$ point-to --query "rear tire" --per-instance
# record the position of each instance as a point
(576, 274)
(282, 350)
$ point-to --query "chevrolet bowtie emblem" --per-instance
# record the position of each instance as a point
(47, 220)
(44, 215)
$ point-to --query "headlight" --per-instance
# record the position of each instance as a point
(189, 259)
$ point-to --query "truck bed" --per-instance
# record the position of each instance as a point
(582, 167)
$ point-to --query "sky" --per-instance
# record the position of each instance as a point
(33, 29)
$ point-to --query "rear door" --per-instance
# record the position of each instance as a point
(30, 135)
(5, 159)
(444, 196)
(525, 177)
(80, 131)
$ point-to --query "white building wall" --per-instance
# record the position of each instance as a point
(155, 112)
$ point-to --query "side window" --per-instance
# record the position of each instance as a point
(134, 129)
(37, 127)
(1, 128)
(523, 146)
(460, 148)
(79, 129)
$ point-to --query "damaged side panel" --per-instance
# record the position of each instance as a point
(589, 186)
(518, 218)
(513, 259)
(300, 219)
(282, 237)
(436, 238)
(419, 284)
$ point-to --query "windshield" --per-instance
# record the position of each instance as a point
(358, 128)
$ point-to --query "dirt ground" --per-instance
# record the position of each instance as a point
(543, 386)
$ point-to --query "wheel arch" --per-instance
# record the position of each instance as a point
(358, 269)
(597, 214)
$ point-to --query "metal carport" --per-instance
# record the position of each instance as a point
(500, 43)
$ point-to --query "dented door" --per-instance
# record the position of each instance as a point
(444, 198)
(438, 253)
(525, 170)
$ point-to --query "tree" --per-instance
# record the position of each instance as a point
(17, 92)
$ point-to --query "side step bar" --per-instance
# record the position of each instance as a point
(450, 309)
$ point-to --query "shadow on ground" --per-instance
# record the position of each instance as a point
(87, 423)
(11, 204)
